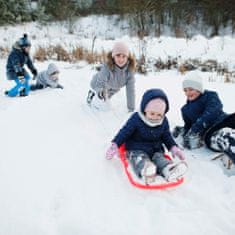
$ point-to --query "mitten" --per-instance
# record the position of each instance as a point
(59, 86)
(20, 76)
(112, 151)
(102, 94)
(34, 72)
(192, 140)
(177, 152)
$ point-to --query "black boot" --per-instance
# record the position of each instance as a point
(90, 96)
(22, 93)
(230, 151)
(230, 154)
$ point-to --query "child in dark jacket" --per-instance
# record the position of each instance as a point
(205, 120)
(118, 72)
(18, 57)
(47, 78)
(144, 135)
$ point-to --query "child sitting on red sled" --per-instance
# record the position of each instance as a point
(144, 135)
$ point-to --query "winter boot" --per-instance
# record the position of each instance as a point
(174, 171)
(90, 96)
(22, 93)
(224, 141)
(149, 171)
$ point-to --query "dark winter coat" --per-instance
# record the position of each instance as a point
(229, 122)
(202, 113)
(16, 61)
(137, 135)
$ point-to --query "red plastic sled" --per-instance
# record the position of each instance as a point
(122, 152)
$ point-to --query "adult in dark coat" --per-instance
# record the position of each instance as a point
(18, 57)
(204, 119)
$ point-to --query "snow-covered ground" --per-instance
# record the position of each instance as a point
(54, 178)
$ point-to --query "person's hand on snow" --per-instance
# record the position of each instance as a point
(102, 94)
(59, 86)
(177, 152)
(112, 151)
(192, 140)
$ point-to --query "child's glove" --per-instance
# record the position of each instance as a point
(112, 151)
(34, 72)
(177, 152)
(192, 140)
(60, 86)
(102, 95)
(20, 76)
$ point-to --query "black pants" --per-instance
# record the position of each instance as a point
(221, 137)
(36, 87)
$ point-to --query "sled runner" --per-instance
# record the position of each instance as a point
(163, 185)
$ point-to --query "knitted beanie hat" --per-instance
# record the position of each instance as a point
(120, 48)
(156, 105)
(193, 80)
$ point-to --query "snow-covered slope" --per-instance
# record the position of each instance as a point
(54, 179)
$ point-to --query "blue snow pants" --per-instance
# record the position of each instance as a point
(20, 86)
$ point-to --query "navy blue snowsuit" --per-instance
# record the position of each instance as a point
(137, 135)
(202, 113)
(15, 66)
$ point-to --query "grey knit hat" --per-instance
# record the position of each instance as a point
(193, 80)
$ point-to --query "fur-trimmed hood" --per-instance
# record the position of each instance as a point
(131, 61)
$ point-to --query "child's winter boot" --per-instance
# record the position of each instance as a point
(149, 171)
(174, 171)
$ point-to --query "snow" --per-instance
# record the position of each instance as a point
(55, 180)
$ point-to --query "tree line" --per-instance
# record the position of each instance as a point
(144, 15)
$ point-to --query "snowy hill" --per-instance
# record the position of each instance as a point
(54, 179)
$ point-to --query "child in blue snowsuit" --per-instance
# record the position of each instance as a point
(145, 134)
(18, 57)
(205, 120)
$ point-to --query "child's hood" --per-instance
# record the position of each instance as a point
(153, 94)
(52, 68)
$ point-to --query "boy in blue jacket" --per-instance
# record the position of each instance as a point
(145, 134)
(18, 57)
(205, 120)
